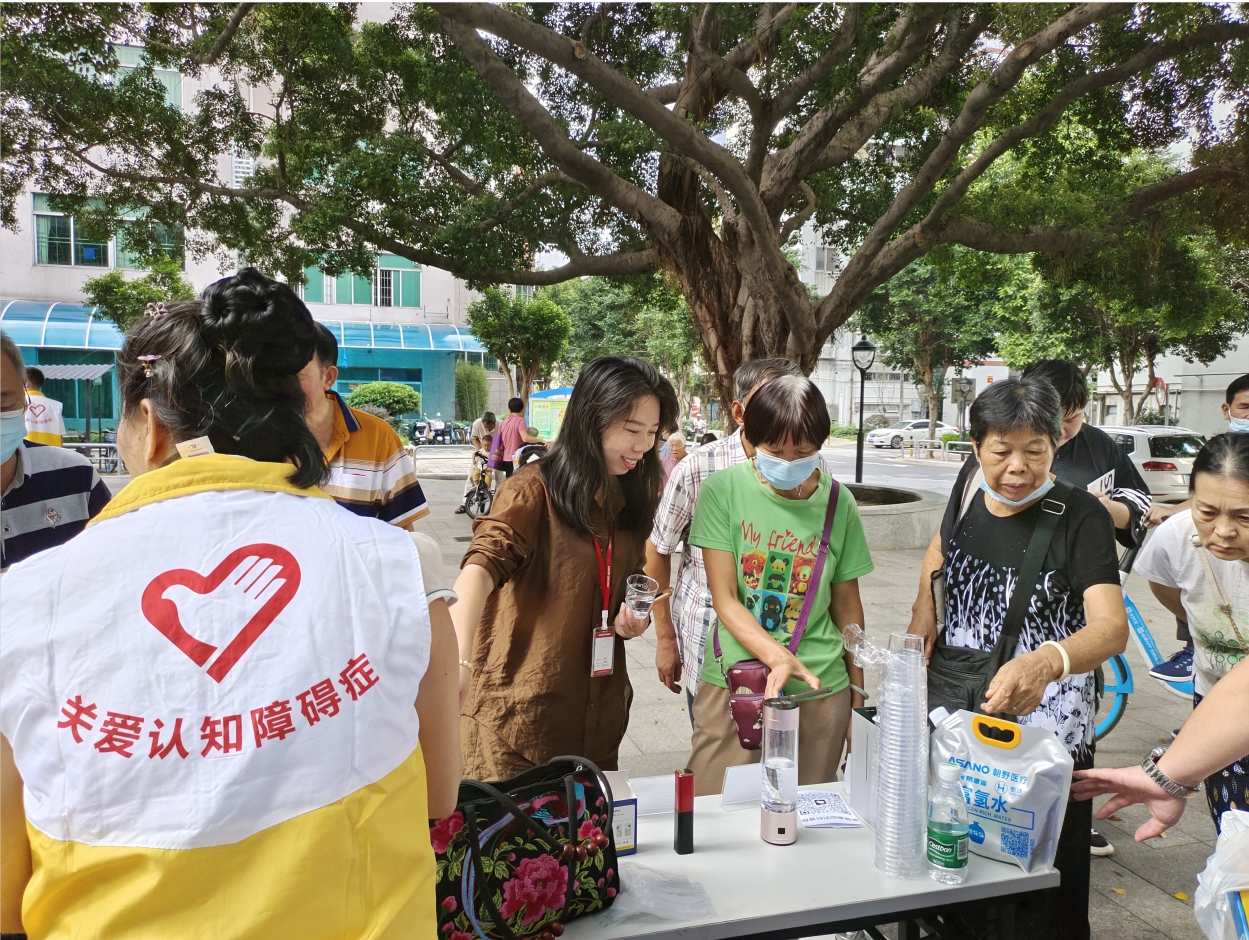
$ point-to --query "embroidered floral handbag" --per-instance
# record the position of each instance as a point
(522, 857)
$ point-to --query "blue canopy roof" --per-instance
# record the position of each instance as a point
(66, 326)
(71, 326)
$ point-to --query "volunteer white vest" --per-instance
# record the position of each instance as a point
(44, 421)
(210, 697)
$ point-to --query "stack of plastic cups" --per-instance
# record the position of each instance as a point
(902, 760)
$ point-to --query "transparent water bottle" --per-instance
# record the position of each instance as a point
(779, 817)
(947, 828)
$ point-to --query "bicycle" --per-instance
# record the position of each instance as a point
(1115, 675)
(478, 499)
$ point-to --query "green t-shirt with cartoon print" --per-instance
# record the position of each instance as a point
(774, 542)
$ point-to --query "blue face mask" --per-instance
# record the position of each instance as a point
(1039, 491)
(785, 474)
(1238, 425)
(12, 430)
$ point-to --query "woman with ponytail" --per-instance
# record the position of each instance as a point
(226, 692)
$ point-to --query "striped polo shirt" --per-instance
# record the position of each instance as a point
(53, 495)
(370, 471)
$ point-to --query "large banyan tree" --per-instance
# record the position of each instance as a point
(692, 139)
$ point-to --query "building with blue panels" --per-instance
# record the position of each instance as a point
(420, 355)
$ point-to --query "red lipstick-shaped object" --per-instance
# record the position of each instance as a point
(683, 833)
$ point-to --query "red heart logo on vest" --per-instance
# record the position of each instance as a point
(268, 563)
(37, 410)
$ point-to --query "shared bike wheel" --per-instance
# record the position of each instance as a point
(478, 501)
(1114, 701)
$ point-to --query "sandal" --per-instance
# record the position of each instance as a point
(459, 510)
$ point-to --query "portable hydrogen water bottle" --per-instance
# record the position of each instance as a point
(779, 816)
(947, 828)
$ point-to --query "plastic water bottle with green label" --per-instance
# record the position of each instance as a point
(947, 828)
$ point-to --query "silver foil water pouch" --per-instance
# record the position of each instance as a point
(1015, 779)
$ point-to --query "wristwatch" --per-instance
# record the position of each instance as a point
(1150, 766)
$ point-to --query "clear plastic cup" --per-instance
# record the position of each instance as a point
(640, 593)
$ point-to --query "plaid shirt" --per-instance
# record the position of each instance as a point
(692, 612)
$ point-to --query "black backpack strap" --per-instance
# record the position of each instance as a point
(1053, 507)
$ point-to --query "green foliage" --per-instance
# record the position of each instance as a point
(123, 299)
(392, 397)
(874, 422)
(936, 315)
(602, 316)
(528, 334)
(1167, 284)
(472, 391)
(844, 432)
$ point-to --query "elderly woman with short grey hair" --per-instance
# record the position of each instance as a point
(1074, 618)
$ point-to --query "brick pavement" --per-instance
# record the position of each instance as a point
(1134, 892)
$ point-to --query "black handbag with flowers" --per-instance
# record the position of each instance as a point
(522, 857)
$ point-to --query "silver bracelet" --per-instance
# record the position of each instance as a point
(1150, 766)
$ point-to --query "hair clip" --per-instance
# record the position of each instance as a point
(155, 310)
(147, 361)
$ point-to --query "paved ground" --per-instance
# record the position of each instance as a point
(1142, 892)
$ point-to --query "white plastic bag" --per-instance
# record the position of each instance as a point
(646, 891)
(1227, 870)
(1015, 779)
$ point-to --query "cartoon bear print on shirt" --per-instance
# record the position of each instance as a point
(801, 577)
(772, 612)
(776, 574)
(793, 607)
(752, 569)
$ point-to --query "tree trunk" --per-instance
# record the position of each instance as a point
(738, 301)
(935, 382)
(507, 371)
(528, 376)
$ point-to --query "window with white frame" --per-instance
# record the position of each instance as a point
(60, 241)
(57, 240)
(130, 57)
(826, 258)
(242, 165)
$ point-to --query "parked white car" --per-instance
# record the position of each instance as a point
(917, 430)
(1163, 455)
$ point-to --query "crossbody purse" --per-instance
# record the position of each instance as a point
(748, 679)
(959, 676)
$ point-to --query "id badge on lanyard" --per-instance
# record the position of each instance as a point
(603, 649)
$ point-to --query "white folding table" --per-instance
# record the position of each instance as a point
(826, 882)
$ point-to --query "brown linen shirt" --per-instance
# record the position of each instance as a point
(532, 691)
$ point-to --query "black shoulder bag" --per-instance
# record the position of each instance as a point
(959, 676)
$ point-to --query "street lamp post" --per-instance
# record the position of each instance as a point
(863, 354)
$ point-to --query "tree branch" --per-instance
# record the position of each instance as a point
(615, 265)
(784, 168)
(232, 27)
(665, 94)
(799, 219)
(817, 71)
(453, 171)
(1049, 115)
(563, 52)
(622, 264)
(970, 119)
(590, 173)
(857, 131)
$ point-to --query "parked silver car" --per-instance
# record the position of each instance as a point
(1164, 456)
(916, 430)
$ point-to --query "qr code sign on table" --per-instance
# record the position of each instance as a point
(1016, 842)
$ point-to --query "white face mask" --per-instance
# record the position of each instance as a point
(12, 430)
(1238, 425)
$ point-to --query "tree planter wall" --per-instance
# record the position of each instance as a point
(895, 519)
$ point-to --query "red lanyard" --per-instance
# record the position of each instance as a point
(604, 570)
